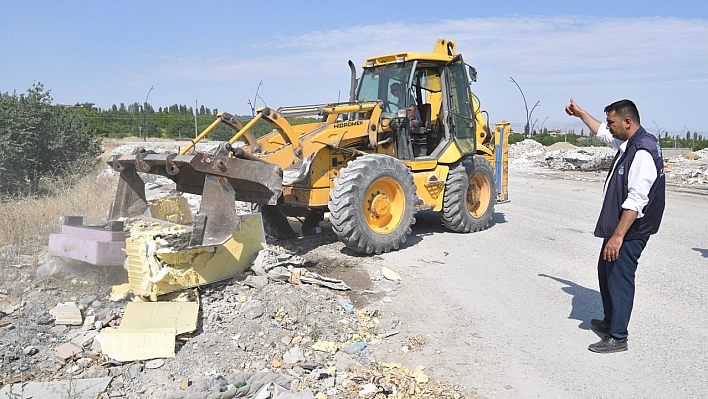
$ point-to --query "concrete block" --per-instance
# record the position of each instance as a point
(65, 351)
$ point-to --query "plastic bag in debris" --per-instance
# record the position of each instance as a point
(281, 266)
(268, 259)
(261, 385)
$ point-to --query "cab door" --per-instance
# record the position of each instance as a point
(460, 115)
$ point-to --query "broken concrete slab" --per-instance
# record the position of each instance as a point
(88, 388)
(67, 314)
(257, 282)
(82, 340)
(58, 330)
(66, 351)
(89, 321)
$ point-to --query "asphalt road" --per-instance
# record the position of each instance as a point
(506, 312)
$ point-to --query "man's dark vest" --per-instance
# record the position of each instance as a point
(617, 183)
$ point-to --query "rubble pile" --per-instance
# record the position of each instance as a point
(690, 169)
(560, 156)
(281, 331)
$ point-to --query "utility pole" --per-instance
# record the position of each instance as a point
(145, 105)
(196, 129)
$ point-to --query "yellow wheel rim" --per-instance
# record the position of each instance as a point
(384, 205)
(478, 192)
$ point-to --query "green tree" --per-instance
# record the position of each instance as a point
(39, 140)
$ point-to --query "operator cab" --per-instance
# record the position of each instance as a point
(424, 122)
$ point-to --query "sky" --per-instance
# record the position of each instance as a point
(217, 53)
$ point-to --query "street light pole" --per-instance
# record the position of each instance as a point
(528, 116)
(543, 123)
(538, 103)
(693, 139)
(144, 105)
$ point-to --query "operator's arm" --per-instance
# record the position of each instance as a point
(573, 109)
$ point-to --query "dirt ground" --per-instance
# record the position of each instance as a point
(391, 317)
(228, 338)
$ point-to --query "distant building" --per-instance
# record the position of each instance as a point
(554, 132)
(77, 105)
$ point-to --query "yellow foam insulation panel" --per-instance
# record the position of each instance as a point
(180, 317)
(148, 330)
(173, 209)
(126, 345)
(159, 261)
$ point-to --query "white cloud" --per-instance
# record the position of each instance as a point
(552, 58)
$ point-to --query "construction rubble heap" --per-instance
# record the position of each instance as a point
(689, 169)
(278, 330)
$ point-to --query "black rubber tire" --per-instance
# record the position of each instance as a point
(275, 223)
(457, 214)
(350, 208)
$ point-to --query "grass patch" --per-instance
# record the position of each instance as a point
(28, 221)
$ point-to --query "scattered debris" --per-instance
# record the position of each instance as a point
(243, 385)
(8, 304)
(390, 274)
(120, 292)
(154, 364)
(326, 346)
(281, 266)
(66, 351)
(67, 314)
(284, 321)
(414, 343)
(88, 388)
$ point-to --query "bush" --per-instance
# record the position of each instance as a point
(39, 140)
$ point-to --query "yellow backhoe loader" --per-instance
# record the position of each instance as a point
(371, 162)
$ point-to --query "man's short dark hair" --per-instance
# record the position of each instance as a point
(396, 85)
(624, 108)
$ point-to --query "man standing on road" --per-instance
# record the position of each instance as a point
(632, 208)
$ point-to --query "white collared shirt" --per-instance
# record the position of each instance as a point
(642, 173)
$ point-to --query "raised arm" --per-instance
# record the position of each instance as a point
(573, 109)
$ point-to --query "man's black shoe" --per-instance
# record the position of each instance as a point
(600, 326)
(608, 345)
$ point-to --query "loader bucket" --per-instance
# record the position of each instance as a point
(219, 178)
